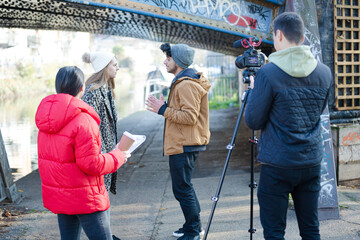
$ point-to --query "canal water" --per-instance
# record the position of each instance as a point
(20, 134)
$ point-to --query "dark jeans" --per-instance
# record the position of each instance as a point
(181, 170)
(273, 196)
(96, 226)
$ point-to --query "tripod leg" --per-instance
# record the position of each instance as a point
(252, 184)
(230, 147)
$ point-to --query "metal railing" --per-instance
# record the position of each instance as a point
(223, 76)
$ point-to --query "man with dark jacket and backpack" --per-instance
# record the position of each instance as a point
(288, 96)
(186, 129)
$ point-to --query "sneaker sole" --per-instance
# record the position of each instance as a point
(177, 234)
(201, 234)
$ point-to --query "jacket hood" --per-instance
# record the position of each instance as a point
(191, 74)
(57, 110)
(295, 61)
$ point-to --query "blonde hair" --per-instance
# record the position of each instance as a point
(101, 78)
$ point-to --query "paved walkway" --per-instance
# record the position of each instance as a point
(145, 209)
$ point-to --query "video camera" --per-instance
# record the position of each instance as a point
(251, 59)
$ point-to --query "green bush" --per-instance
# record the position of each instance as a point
(26, 80)
(223, 103)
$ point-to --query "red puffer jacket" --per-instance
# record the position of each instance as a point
(70, 163)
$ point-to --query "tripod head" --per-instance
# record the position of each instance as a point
(249, 72)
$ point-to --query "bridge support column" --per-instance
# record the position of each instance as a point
(8, 189)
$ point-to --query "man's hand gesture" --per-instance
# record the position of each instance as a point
(153, 104)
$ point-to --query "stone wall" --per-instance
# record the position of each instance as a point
(346, 141)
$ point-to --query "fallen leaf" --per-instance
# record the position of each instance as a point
(6, 214)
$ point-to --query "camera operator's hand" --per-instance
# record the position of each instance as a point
(252, 81)
(153, 104)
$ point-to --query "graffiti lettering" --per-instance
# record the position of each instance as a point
(351, 138)
(223, 7)
(327, 191)
(166, 3)
(232, 12)
(324, 122)
(325, 195)
(326, 183)
(250, 22)
(325, 131)
(256, 9)
(314, 43)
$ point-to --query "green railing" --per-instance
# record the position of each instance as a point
(223, 77)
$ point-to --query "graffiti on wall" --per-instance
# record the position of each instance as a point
(234, 12)
(314, 42)
(328, 194)
(351, 138)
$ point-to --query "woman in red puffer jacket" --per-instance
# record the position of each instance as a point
(70, 162)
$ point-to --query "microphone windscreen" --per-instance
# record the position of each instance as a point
(237, 43)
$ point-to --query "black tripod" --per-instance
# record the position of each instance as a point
(252, 184)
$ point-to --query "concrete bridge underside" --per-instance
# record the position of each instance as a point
(174, 21)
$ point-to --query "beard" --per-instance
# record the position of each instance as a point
(171, 69)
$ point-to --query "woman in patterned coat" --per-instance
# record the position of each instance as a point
(99, 94)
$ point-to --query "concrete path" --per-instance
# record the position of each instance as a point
(145, 209)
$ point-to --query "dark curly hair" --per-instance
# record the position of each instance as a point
(165, 47)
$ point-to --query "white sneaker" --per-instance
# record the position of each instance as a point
(180, 233)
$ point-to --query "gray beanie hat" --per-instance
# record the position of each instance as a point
(183, 55)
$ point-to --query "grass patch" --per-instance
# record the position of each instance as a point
(223, 105)
(220, 102)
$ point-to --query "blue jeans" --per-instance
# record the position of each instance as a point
(273, 195)
(96, 226)
(181, 170)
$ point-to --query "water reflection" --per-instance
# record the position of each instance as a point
(20, 134)
(17, 123)
(129, 93)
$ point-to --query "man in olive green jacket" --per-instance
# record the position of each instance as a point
(186, 130)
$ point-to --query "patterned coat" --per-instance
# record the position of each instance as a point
(102, 101)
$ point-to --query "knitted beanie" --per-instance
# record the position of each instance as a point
(99, 60)
(183, 55)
